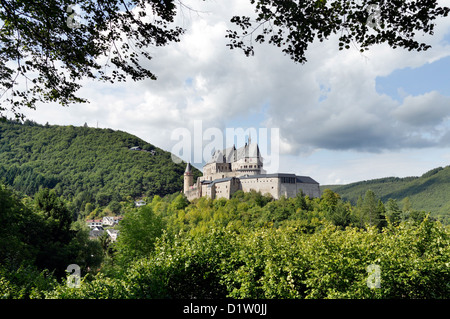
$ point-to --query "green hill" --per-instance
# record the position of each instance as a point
(83, 164)
(429, 192)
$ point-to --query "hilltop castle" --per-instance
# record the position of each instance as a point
(234, 169)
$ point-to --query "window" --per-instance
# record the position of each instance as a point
(288, 180)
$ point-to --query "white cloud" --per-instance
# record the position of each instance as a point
(425, 110)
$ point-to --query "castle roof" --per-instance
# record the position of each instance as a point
(299, 179)
(231, 154)
(220, 180)
(248, 150)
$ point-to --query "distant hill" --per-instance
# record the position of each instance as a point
(85, 164)
(429, 192)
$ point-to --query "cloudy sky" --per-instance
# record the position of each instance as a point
(342, 117)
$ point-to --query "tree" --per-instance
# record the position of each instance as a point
(55, 236)
(372, 210)
(336, 211)
(330, 199)
(55, 213)
(46, 51)
(138, 231)
(293, 25)
(47, 48)
(393, 212)
(115, 207)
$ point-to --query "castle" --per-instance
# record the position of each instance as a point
(234, 169)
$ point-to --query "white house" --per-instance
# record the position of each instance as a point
(108, 221)
(92, 223)
(111, 220)
(140, 203)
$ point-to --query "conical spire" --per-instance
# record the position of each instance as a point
(188, 168)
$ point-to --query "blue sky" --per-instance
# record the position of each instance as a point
(433, 76)
(342, 117)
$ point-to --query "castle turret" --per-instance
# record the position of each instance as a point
(188, 177)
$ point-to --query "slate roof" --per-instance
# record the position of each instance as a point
(300, 179)
(231, 154)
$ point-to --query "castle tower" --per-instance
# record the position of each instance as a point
(188, 177)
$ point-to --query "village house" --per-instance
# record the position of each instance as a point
(92, 223)
(140, 203)
(97, 226)
(96, 232)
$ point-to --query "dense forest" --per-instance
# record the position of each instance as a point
(250, 246)
(429, 192)
(91, 168)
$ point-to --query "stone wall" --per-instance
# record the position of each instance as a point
(311, 190)
(264, 185)
(192, 193)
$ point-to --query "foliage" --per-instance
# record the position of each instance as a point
(26, 282)
(285, 263)
(37, 243)
(45, 53)
(250, 246)
(138, 232)
(293, 25)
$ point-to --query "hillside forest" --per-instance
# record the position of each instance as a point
(429, 192)
(93, 169)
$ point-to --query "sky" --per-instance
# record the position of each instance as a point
(344, 116)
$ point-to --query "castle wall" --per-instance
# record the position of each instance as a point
(279, 186)
(311, 190)
(222, 189)
(205, 190)
(264, 185)
(210, 191)
(219, 175)
(275, 186)
(288, 190)
(192, 193)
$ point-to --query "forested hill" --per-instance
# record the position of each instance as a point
(429, 192)
(83, 164)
